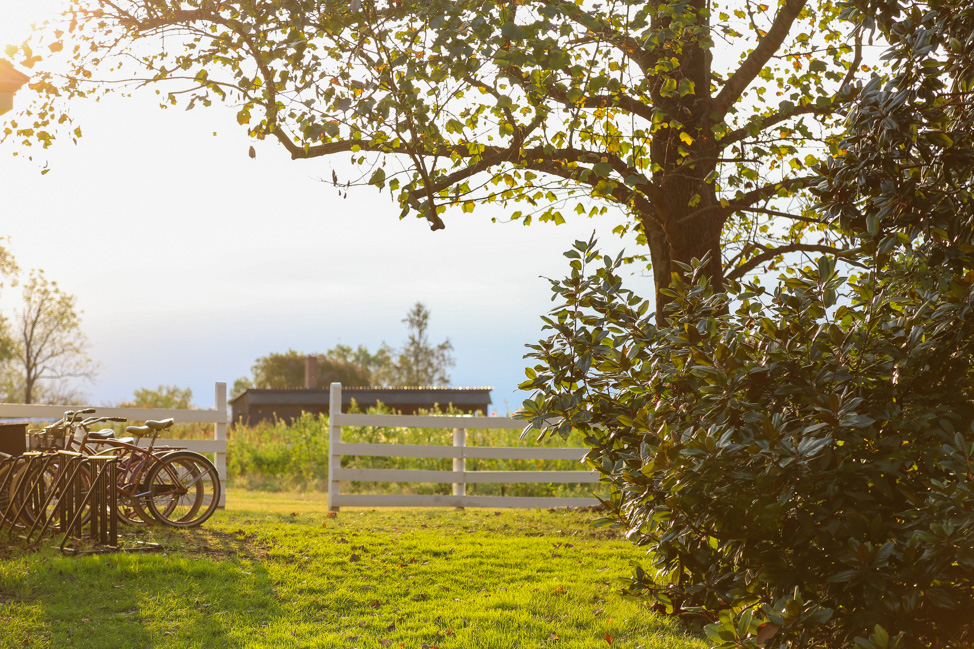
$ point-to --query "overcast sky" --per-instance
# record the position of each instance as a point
(190, 259)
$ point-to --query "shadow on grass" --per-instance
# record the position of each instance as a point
(213, 594)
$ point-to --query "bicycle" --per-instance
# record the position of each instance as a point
(172, 486)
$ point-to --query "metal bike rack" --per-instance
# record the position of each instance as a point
(43, 492)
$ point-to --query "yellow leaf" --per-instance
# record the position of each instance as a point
(685, 137)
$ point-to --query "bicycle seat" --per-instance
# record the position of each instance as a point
(126, 440)
(104, 433)
(160, 425)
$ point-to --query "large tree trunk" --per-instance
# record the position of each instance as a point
(687, 222)
(684, 240)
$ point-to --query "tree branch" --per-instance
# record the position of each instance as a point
(763, 193)
(771, 253)
(787, 215)
(771, 120)
(756, 60)
(629, 46)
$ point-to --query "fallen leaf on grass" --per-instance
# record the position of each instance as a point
(608, 638)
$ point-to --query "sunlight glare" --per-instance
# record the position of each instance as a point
(18, 17)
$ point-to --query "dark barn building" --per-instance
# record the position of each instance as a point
(253, 406)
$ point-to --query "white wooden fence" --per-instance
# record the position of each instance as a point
(459, 452)
(217, 417)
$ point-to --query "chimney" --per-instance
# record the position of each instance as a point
(311, 372)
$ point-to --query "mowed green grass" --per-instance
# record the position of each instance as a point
(274, 571)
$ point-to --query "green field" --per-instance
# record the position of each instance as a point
(274, 570)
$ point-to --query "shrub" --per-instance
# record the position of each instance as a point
(799, 464)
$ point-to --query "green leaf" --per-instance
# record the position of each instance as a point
(378, 177)
(881, 636)
(872, 224)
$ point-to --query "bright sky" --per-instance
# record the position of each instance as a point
(190, 260)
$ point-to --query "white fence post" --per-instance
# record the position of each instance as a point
(220, 435)
(334, 438)
(460, 463)
(459, 452)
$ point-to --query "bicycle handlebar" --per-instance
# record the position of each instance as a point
(71, 415)
(94, 420)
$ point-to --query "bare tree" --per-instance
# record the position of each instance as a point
(48, 341)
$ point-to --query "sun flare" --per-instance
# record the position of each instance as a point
(18, 17)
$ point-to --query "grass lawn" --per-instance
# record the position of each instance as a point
(274, 571)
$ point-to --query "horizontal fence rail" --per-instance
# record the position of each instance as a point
(459, 477)
(217, 417)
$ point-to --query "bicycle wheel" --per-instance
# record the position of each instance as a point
(184, 489)
(132, 508)
(32, 485)
(9, 495)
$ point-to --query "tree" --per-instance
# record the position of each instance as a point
(697, 121)
(420, 363)
(8, 269)
(287, 371)
(47, 340)
(379, 365)
(798, 462)
(165, 396)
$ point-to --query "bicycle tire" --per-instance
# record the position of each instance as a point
(30, 502)
(184, 489)
(132, 509)
(130, 512)
(9, 502)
